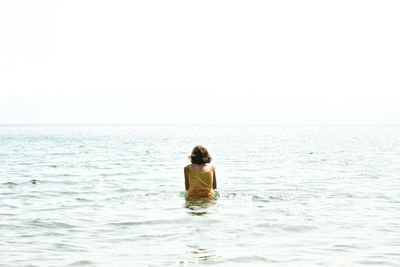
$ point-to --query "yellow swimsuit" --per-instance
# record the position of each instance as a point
(200, 183)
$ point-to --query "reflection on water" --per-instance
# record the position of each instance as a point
(202, 254)
(199, 206)
(198, 245)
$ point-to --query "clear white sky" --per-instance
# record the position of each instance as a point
(200, 61)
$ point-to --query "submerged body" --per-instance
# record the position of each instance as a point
(200, 181)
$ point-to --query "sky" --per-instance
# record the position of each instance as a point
(189, 62)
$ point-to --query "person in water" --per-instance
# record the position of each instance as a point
(200, 179)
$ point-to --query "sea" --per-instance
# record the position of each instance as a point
(113, 195)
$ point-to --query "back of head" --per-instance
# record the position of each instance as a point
(200, 155)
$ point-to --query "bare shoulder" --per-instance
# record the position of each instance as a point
(210, 167)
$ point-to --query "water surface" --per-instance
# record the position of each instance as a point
(113, 196)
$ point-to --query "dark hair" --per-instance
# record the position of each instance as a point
(200, 155)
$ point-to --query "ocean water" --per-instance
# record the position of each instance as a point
(113, 196)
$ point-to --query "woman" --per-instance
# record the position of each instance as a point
(200, 179)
